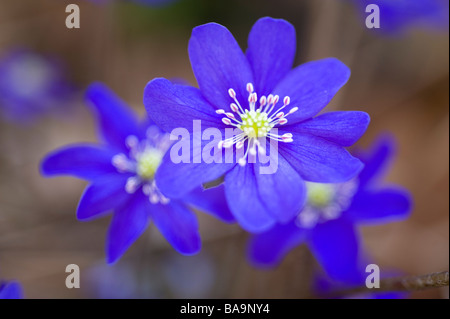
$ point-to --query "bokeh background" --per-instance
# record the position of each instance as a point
(401, 80)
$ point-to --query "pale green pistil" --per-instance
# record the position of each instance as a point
(148, 162)
(255, 124)
(320, 195)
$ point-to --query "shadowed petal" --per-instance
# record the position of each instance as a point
(384, 206)
(179, 226)
(269, 248)
(219, 64)
(311, 86)
(211, 201)
(128, 223)
(85, 161)
(271, 52)
(116, 120)
(103, 195)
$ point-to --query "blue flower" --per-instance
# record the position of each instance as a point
(10, 290)
(31, 85)
(401, 15)
(248, 92)
(121, 173)
(328, 222)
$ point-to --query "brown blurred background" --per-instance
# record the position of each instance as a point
(402, 81)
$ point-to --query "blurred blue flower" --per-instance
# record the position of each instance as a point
(397, 16)
(10, 290)
(121, 173)
(31, 85)
(311, 148)
(328, 221)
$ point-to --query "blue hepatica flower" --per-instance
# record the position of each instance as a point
(400, 15)
(10, 290)
(121, 174)
(258, 95)
(31, 85)
(328, 221)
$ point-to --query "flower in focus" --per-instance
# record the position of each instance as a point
(10, 290)
(121, 172)
(328, 221)
(31, 85)
(266, 103)
(401, 15)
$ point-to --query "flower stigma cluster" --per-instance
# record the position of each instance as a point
(255, 122)
(326, 202)
(142, 160)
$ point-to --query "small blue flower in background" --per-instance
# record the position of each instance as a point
(121, 172)
(397, 16)
(10, 290)
(31, 85)
(240, 90)
(328, 221)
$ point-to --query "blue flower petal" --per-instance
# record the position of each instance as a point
(211, 201)
(128, 223)
(269, 248)
(177, 180)
(318, 160)
(343, 128)
(179, 226)
(377, 160)
(244, 201)
(116, 120)
(219, 64)
(271, 52)
(383, 206)
(282, 193)
(11, 290)
(311, 86)
(85, 161)
(335, 245)
(172, 106)
(102, 195)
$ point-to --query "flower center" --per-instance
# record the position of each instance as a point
(320, 195)
(255, 122)
(326, 202)
(148, 162)
(143, 159)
